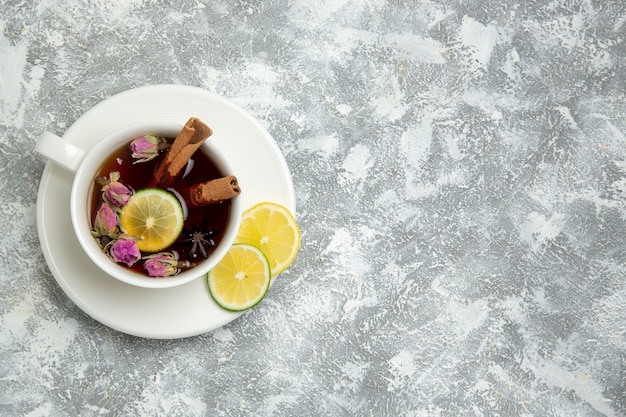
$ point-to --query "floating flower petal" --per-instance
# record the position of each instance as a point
(125, 251)
(114, 191)
(161, 265)
(145, 148)
(105, 223)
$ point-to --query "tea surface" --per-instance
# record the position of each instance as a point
(208, 221)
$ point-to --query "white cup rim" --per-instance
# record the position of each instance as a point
(80, 212)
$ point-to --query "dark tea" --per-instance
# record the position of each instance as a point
(203, 226)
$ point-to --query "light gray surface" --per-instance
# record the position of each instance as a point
(460, 173)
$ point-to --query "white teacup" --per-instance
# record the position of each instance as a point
(85, 164)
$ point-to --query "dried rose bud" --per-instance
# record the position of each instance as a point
(125, 251)
(114, 191)
(105, 223)
(145, 148)
(161, 265)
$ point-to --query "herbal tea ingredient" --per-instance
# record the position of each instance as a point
(105, 223)
(163, 265)
(273, 229)
(124, 250)
(200, 238)
(211, 192)
(266, 244)
(188, 141)
(114, 192)
(134, 226)
(241, 279)
(146, 148)
(154, 216)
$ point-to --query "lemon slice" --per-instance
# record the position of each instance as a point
(273, 229)
(240, 279)
(154, 216)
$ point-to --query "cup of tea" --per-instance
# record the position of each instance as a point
(107, 182)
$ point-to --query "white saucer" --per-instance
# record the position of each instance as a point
(169, 313)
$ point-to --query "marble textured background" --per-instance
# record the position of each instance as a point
(460, 171)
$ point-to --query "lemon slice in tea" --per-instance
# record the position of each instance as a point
(273, 229)
(154, 216)
(240, 279)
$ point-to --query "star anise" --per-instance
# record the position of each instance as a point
(200, 238)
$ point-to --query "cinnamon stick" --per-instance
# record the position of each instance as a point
(190, 138)
(211, 192)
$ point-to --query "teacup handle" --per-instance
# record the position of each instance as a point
(60, 151)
